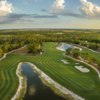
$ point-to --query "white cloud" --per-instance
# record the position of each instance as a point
(5, 7)
(58, 6)
(90, 9)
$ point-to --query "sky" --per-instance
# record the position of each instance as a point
(77, 14)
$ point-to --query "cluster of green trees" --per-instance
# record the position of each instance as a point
(88, 57)
(91, 45)
(74, 52)
(12, 39)
(91, 59)
(34, 48)
(7, 47)
(1, 52)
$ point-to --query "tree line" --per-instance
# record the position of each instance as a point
(12, 39)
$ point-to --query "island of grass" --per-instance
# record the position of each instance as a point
(86, 85)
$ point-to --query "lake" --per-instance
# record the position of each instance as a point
(36, 90)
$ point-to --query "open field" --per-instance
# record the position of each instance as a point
(86, 85)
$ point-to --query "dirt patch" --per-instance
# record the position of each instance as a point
(23, 50)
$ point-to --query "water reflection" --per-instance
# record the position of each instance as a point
(36, 90)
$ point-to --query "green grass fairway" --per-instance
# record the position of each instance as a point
(86, 85)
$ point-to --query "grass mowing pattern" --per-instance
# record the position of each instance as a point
(86, 85)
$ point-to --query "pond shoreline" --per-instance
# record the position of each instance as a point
(56, 87)
(22, 84)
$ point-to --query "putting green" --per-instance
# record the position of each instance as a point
(86, 85)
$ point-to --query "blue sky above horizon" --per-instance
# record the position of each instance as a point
(83, 14)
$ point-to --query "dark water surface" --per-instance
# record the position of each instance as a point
(36, 90)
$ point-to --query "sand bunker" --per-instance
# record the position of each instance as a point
(64, 47)
(64, 61)
(77, 63)
(80, 49)
(82, 69)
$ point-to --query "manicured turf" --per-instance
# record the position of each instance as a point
(86, 85)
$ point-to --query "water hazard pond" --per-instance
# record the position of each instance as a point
(36, 90)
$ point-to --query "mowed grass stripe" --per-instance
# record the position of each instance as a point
(59, 70)
(12, 87)
(4, 82)
(60, 75)
(6, 85)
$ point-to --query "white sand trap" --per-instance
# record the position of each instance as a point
(64, 61)
(82, 69)
(80, 49)
(77, 63)
(64, 47)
